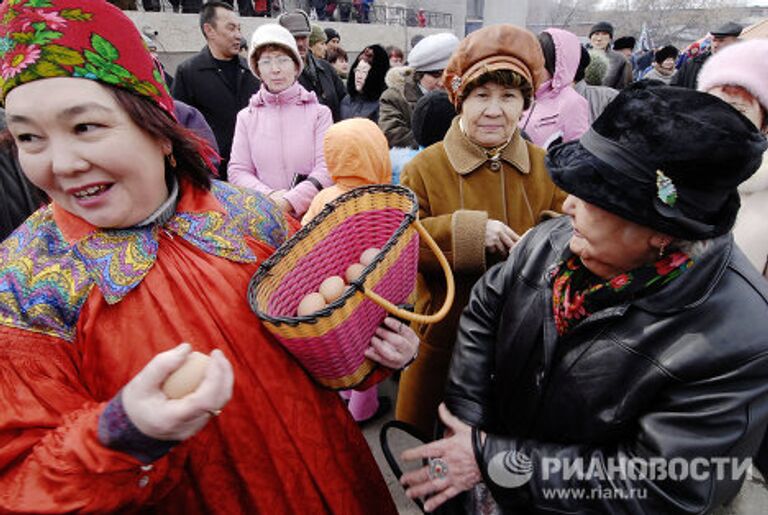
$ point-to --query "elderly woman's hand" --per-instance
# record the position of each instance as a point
(452, 467)
(499, 237)
(394, 345)
(162, 418)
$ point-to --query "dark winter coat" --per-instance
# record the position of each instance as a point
(619, 74)
(321, 77)
(396, 109)
(680, 373)
(18, 198)
(200, 83)
(688, 74)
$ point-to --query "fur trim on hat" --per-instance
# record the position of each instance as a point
(397, 76)
(665, 53)
(742, 64)
(273, 34)
(375, 83)
(631, 162)
(624, 42)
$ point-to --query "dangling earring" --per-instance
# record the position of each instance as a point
(171, 160)
(663, 248)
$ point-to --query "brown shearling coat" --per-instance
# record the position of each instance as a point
(458, 192)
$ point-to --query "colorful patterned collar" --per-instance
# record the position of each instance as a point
(117, 260)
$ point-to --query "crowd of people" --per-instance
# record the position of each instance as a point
(322, 10)
(603, 216)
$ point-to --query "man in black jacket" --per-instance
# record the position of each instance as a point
(688, 74)
(318, 75)
(217, 81)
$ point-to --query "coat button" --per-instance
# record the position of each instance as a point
(143, 481)
(495, 166)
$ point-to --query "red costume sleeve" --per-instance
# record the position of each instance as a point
(51, 459)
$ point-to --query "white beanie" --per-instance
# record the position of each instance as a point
(433, 52)
(742, 64)
(273, 34)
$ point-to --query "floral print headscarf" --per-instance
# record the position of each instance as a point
(41, 39)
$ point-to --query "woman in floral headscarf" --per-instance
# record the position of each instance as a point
(139, 251)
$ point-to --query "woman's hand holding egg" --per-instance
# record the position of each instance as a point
(394, 345)
(178, 370)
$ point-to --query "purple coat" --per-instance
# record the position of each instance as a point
(276, 138)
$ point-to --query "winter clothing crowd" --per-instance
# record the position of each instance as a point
(602, 213)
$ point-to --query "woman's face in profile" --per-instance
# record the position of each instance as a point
(742, 101)
(76, 143)
(490, 114)
(606, 243)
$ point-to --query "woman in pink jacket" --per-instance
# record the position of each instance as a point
(559, 113)
(278, 143)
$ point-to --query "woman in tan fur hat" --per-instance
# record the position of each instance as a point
(478, 190)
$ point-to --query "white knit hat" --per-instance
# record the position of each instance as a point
(273, 34)
(433, 52)
(742, 64)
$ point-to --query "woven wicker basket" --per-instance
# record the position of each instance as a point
(330, 343)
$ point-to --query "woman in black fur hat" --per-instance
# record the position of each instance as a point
(663, 67)
(617, 362)
(365, 84)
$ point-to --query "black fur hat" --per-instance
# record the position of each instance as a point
(664, 157)
(624, 42)
(665, 53)
(374, 85)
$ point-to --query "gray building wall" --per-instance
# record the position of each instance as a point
(179, 37)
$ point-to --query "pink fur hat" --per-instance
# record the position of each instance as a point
(742, 64)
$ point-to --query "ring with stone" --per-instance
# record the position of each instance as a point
(438, 468)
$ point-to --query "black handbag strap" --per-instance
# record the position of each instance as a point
(387, 451)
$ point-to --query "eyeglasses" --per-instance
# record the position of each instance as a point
(277, 62)
(436, 74)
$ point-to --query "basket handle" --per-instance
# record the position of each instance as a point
(449, 294)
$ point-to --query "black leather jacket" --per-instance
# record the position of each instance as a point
(680, 373)
(320, 76)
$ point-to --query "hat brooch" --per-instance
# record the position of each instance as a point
(456, 83)
(665, 189)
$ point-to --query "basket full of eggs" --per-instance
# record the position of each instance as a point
(324, 292)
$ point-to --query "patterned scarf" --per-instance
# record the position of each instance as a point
(74, 38)
(577, 292)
